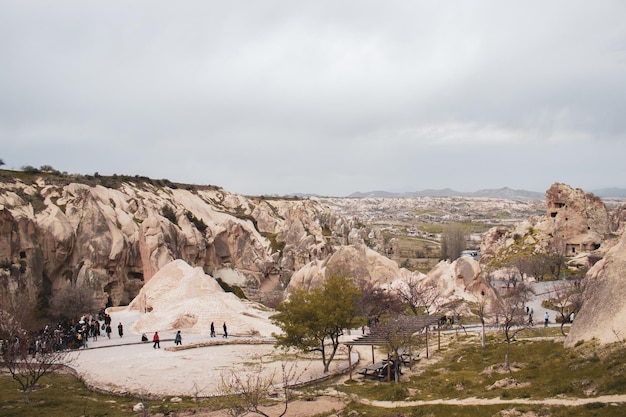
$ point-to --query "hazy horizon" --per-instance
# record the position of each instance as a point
(327, 98)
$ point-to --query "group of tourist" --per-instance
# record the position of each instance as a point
(67, 334)
(76, 334)
(224, 335)
(178, 339)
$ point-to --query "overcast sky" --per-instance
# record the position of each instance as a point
(325, 97)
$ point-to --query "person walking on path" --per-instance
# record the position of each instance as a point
(178, 340)
(225, 331)
(108, 330)
(96, 332)
(212, 329)
(155, 339)
(120, 329)
(546, 319)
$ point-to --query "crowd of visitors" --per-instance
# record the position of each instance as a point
(74, 334)
(67, 334)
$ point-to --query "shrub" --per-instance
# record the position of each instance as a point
(30, 169)
(234, 289)
(168, 212)
(394, 391)
(199, 223)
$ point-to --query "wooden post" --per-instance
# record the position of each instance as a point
(373, 361)
(350, 360)
(388, 367)
(427, 341)
(438, 337)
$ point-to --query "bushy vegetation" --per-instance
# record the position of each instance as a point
(199, 223)
(275, 244)
(168, 212)
(30, 174)
(231, 288)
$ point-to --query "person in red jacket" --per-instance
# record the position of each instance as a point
(155, 339)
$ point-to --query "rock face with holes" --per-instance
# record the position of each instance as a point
(112, 235)
(576, 224)
(603, 313)
(579, 220)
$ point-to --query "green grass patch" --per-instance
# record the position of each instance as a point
(539, 369)
(63, 395)
(597, 409)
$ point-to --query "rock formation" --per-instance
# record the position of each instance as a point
(179, 297)
(357, 261)
(458, 280)
(461, 279)
(576, 224)
(603, 314)
(579, 220)
(113, 234)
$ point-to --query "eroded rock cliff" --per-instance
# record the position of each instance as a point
(112, 234)
(603, 313)
(576, 224)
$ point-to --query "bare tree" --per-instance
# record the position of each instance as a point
(511, 310)
(28, 355)
(453, 241)
(72, 301)
(481, 310)
(376, 301)
(556, 257)
(567, 298)
(419, 295)
(48, 168)
(246, 392)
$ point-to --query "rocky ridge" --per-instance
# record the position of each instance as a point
(112, 234)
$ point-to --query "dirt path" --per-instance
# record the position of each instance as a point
(564, 401)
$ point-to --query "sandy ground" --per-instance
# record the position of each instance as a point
(126, 365)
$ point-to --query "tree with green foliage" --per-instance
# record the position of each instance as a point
(312, 318)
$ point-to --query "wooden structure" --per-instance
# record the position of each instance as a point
(404, 326)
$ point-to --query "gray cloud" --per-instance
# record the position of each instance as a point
(324, 97)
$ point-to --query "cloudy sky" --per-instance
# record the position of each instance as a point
(326, 97)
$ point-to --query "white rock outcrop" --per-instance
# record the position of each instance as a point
(180, 297)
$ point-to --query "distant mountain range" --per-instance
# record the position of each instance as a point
(506, 193)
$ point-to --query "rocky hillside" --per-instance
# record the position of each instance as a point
(576, 225)
(592, 238)
(603, 314)
(112, 234)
